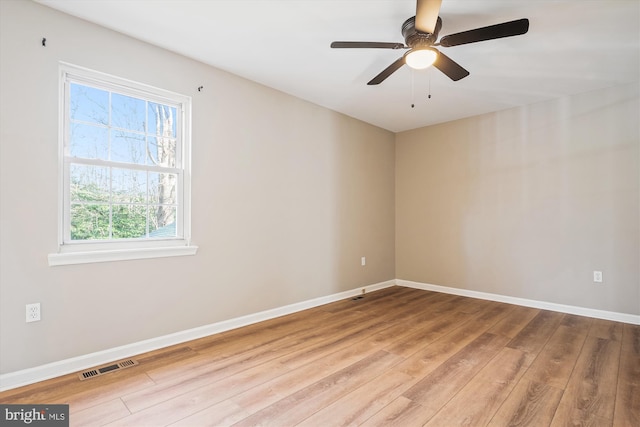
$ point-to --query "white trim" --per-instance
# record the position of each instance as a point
(562, 308)
(86, 257)
(75, 364)
(111, 82)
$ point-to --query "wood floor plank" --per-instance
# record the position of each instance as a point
(436, 389)
(216, 387)
(252, 336)
(362, 403)
(557, 359)
(103, 393)
(491, 314)
(174, 354)
(414, 339)
(398, 356)
(578, 323)
(480, 398)
(100, 414)
(194, 378)
(175, 404)
(627, 408)
(225, 363)
(631, 338)
(537, 332)
(224, 413)
(514, 321)
(530, 404)
(446, 304)
(432, 355)
(397, 332)
(606, 329)
(338, 340)
(268, 393)
(472, 306)
(591, 391)
(402, 412)
(410, 312)
(300, 405)
(222, 361)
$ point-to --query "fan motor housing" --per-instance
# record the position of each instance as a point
(414, 38)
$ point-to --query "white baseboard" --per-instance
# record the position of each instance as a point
(580, 311)
(63, 367)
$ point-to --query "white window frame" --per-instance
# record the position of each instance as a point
(80, 252)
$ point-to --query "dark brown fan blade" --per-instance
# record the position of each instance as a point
(506, 29)
(387, 72)
(449, 67)
(366, 45)
(427, 15)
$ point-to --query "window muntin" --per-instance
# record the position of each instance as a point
(125, 178)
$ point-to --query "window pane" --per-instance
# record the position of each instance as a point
(162, 151)
(89, 221)
(89, 183)
(88, 142)
(122, 160)
(129, 221)
(162, 221)
(128, 147)
(162, 120)
(88, 104)
(128, 112)
(129, 186)
(162, 188)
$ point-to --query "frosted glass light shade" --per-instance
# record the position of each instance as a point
(420, 58)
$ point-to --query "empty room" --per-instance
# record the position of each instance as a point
(320, 212)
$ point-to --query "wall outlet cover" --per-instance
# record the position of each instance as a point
(33, 312)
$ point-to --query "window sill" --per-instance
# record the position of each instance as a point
(87, 257)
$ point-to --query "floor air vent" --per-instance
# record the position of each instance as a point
(91, 373)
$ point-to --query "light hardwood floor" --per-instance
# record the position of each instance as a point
(398, 356)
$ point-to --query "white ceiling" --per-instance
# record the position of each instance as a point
(572, 46)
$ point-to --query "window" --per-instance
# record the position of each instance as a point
(124, 167)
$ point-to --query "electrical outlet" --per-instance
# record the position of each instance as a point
(363, 261)
(597, 276)
(33, 312)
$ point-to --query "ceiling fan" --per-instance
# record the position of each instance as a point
(420, 33)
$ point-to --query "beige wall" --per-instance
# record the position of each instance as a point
(287, 196)
(527, 202)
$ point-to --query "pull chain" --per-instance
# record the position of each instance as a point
(412, 90)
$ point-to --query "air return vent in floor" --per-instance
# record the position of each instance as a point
(91, 373)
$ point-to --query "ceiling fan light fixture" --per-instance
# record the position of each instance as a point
(419, 59)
